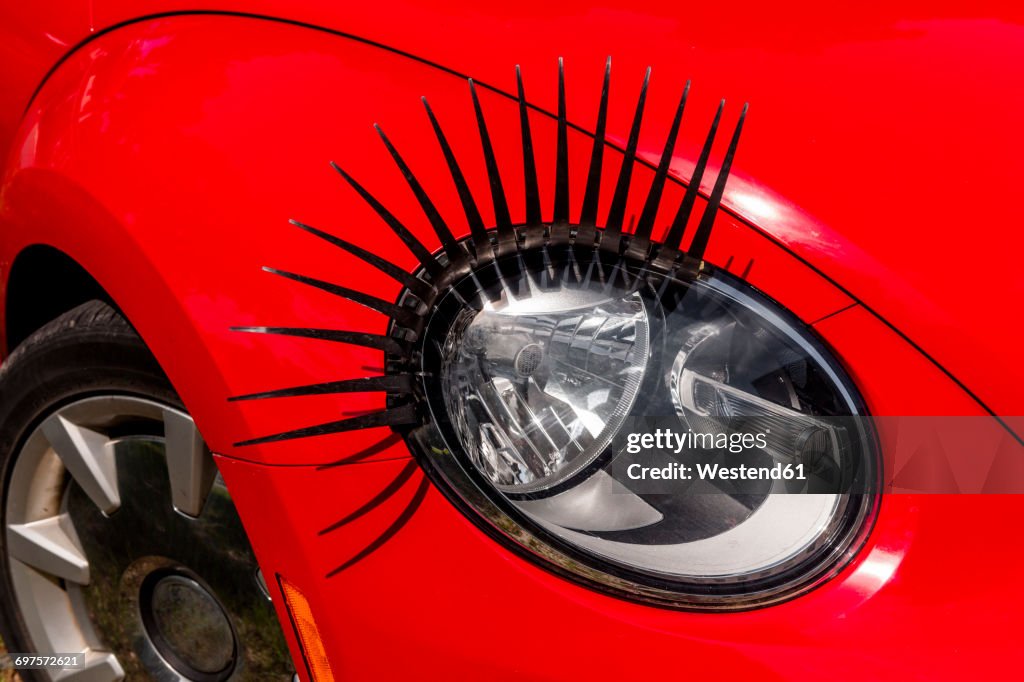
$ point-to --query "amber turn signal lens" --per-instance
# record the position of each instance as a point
(305, 629)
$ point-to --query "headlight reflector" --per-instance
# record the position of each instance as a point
(538, 387)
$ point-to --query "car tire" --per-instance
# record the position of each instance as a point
(91, 356)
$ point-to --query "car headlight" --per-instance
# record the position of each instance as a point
(544, 369)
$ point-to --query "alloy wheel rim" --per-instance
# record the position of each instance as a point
(123, 543)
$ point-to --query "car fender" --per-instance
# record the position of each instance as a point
(166, 157)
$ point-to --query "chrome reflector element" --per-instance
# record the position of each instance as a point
(538, 387)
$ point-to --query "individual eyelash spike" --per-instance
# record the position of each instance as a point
(674, 238)
(417, 286)
(707, 219)
(533, 215)
(398, 416)
(395, 383)
(384, 343)
(414, 245)
(451, 246)
(380, 446)
(393, 487)
(397, 525)
(561, 213)
(617, 212)
(588, 214)
(403, 316)
(650, 211)
(502, 217)
(481, 241)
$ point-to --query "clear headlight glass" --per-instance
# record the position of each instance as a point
(534, 379)
(538, 388)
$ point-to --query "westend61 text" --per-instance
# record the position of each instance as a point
(716, 472)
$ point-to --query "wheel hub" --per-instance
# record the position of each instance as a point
(187, 625)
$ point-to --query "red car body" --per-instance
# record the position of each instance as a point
(164, 146)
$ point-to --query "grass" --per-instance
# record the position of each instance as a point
(7, 675)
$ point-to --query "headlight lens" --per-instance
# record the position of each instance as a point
(544, 371)
(538, 389)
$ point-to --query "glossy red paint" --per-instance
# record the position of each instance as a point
(884, 144)
(33, 37)
(167, 156)
(442, 601)
(919, 601)
(195, 259)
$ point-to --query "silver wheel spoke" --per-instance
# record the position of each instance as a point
(88, 457)
(51, 546)
(190, 465)
(100, 666)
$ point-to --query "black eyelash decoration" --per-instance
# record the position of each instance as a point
(700, 239)
(390, 531)
(561, 213)
(481, 241)
(390, 489)
(424, 256)
(376, 341)
(674, 238)
(399, 416)
(367, 452)
(550, 253)
(394, 383)
(418, 287)
(448, 241)
(588, 213)
(506, 241)
(616, 214)
(650, 211)
(533, 217)
(531, 242)
(404, 316)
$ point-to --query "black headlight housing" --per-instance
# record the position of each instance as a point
(531, 365)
